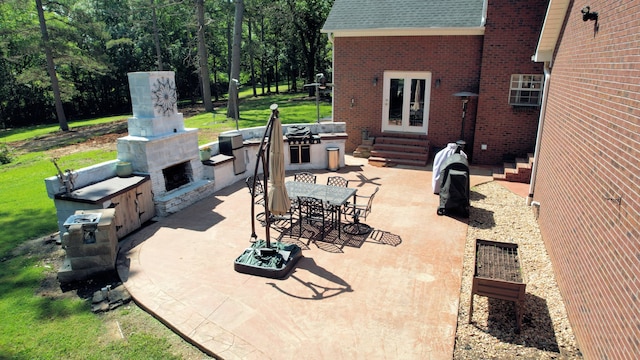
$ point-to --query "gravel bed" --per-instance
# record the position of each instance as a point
(498, 214)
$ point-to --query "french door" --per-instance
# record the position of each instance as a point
(405, 103)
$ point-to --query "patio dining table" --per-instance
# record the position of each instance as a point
(332, 195)
(335, 196)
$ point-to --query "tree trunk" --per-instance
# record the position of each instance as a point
(276, 76)
(156, 35)
(233, 110)
(51, 67)
(251, 65)
(203, 57)
(263, 56)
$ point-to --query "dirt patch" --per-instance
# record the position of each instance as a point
(101, 136)
(84, 138)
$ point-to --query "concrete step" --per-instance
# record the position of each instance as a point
(514, 172)
(523, 163)
(363, 151)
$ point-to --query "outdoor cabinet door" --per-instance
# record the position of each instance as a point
(127, 219)
(144, 197)
(405, 103)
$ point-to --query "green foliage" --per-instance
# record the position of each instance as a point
(6, 154)
(294, 109)
(97, 43)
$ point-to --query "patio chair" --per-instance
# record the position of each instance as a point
(258, 196)
(304, 177)
(357, 211)
(312, 210)
(337, 181)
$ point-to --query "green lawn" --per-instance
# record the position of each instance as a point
(41, 327)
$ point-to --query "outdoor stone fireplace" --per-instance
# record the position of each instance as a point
(158, 144)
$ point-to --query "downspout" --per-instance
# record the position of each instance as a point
(536, 154)
(333, 72)
(483, 21)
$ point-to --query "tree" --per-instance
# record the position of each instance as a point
(232, 106)
(307, 18)
(156, 35)
(51, 68)
(203, 58)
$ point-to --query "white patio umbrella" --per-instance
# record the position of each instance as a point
(279, 202)
(417, 96)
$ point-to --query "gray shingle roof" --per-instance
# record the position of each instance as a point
(407, 14)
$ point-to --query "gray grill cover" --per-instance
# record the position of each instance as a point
(454, 191)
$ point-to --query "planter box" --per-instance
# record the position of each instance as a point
(497, 274)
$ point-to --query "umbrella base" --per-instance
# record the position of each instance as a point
(357, 228)
(273, 262)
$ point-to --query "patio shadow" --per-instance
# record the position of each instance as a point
(315, 291)
(501, 323)
(480, 218)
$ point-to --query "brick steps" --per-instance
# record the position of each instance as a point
(400, 149)
(386, 162)
(518, 171)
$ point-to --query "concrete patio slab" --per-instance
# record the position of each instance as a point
(390, 295)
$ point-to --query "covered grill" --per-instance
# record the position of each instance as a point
(454, 191)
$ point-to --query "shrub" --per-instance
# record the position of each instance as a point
(6, 154)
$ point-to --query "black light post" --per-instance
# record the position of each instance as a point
(465, 95)
(320, 84)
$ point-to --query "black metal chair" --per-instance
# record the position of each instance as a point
(340, 182)
(337, 181)
(258, 196)
(312, 210)
(306, 177)
(357, 211)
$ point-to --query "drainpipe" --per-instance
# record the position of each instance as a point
(333, 72)
(536, 154)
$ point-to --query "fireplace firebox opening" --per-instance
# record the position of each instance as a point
(177, 175)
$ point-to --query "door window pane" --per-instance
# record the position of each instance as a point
(396, 99)
(416, 117)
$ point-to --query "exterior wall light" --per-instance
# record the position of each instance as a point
(588, 15)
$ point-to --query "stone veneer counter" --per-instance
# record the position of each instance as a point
(104, 190)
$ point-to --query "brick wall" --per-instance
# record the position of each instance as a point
(455, 60)
(588, 181)
(511, 37)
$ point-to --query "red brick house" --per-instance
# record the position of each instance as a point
(587, 177)
(584, 125)
(396, 70)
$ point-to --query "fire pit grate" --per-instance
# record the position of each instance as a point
(497, 261)
(498, 275)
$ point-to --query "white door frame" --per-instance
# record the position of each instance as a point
(403, 122)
